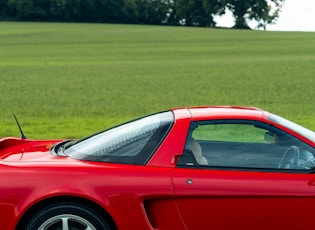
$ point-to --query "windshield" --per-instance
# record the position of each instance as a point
(133, 142)
(309, 134)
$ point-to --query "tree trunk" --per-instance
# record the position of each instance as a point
(240, 23)
(240, 9)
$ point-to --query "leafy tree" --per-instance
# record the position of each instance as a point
(198, 12)
(258, 10)
(152, 11)
(130, 11)
(57, 9)
(3, 8)
(170, 12)
(30, 10)
(20, 9)
(40, 10)
(268, 15)
(94, 10)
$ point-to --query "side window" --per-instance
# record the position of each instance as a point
(245, 144)
(131, 143)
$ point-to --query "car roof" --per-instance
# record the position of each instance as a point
(226, 112)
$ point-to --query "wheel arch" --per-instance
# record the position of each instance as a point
(53, 200)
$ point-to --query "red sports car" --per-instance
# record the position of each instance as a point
(186, 168)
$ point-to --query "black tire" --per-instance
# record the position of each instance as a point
(73, 215)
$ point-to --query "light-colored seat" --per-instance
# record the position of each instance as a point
(195, 147)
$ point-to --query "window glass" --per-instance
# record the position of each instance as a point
(245, 144)
(230, 132)
(133, 142)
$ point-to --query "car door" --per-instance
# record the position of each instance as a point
(248, 182)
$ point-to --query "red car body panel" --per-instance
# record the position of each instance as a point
(158, 195)
(173, 145)
(204, 113)
(120, 190)
(244, 200)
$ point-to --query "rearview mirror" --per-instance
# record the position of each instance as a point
(270, 138)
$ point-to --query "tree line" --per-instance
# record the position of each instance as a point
(159, 12)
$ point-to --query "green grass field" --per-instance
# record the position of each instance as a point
(69, 80)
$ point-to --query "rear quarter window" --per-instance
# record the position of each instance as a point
(133, 142)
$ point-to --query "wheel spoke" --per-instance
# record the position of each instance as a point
(65, 223)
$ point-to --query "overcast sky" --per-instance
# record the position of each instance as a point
(296, 15)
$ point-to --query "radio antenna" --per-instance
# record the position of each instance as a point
(18, 124)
